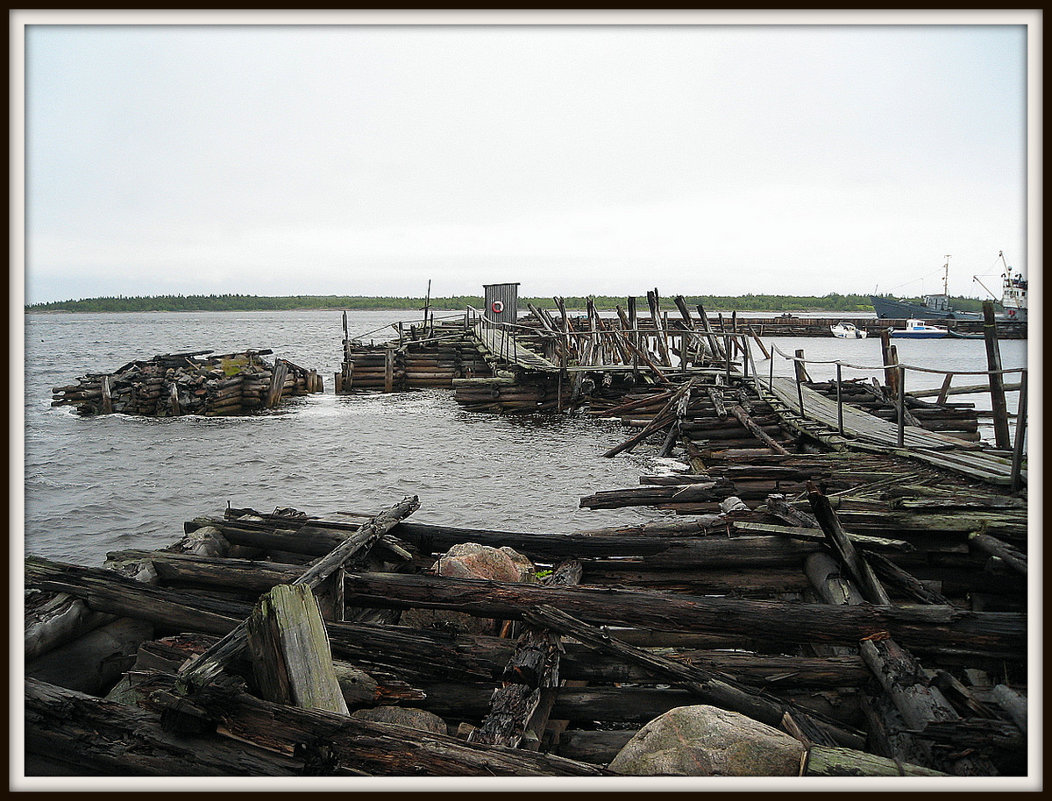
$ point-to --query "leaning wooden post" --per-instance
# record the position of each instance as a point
(1020, 435)
(900, 405)
(997, 382)
(945, 389)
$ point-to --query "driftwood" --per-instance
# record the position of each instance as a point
(1012, 557)
(205, 667)
(826, 761)
(70, 733)
(932, 629)
(842, 547)
(329, 743)
(722, 692)
(520, 709)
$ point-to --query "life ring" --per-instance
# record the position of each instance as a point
(497, 307)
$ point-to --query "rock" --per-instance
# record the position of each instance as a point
(470, 560)
(708, 741)
(404, 716)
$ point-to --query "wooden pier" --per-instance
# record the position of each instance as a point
(855, 584)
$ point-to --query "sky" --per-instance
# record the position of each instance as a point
(605, 160)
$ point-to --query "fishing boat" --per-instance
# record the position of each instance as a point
(1013, 292)
(847, 331)
(918, 329)
(932, 307)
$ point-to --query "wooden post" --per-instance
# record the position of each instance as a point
(839, 401)
(1020, 435)
(389, 365)
(289, 647)
(900, 406)
(945, 389)
(890, 359)
(107, 403)
(997, 385)
(173, 396)
(801, 376)
(277, 383)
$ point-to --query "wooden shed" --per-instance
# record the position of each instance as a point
(502, 302)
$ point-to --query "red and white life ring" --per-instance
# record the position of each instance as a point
(497, 307)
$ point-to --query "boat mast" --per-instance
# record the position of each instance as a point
(946, 279)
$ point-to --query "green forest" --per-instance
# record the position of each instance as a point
(833, 302)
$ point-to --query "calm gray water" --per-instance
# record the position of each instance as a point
(94, 485)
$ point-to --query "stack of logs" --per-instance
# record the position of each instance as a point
(432, 363)
(530, 393)
(176, 384)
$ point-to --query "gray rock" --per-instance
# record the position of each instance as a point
(708, 741)
(404, 716)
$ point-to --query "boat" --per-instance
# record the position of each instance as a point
(847, 331)
(918, 329)
(932, 307)
(1013, 292)
(959, 335)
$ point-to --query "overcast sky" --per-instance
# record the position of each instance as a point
(576, 160)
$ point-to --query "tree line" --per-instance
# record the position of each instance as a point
(833, 302)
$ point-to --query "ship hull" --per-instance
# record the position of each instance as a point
(891, 309)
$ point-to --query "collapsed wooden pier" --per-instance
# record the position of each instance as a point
(175, 384)
(829, 567)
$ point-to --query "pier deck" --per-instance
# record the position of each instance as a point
(864, 431)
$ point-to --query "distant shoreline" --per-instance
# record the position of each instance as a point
(752, 303)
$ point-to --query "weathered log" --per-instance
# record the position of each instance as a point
(52, 620)
(813, 535)
(1013, 702)
(205, 667)
(1012, 557)
(893, 574)
(901, 677)
(844, 550)
(329, 742)
(931, 629)
(290, 650)
(597, 747)
(721, 692)
(824, 574)
(74, 734)
(824, 760)
(93, 662)
(743, 417)
(519, 710)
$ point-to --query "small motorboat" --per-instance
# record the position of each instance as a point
(847, 331)
(918, 329)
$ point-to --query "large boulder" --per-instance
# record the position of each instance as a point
(404, 716)
(471, 561)
(708, 741)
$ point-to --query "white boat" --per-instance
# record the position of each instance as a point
(918, 329)
(847, 331)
